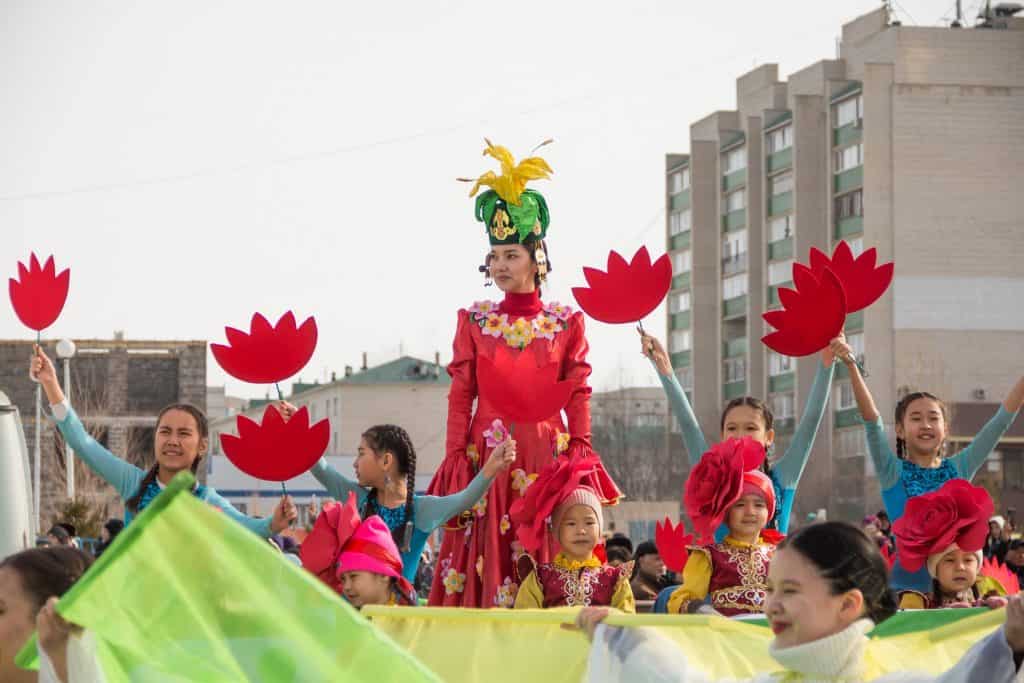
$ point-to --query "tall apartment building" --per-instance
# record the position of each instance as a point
(912, 142)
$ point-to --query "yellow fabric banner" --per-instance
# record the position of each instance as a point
(495, 646)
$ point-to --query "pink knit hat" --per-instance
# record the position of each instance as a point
(581, 495)
(371, 549)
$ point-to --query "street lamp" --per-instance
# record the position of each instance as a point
(66, 350)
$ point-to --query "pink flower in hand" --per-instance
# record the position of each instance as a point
(497, 434)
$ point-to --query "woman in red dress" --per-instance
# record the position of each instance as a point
(477, 560)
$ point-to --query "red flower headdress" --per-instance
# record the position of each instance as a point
(717, 482)
(555, 483)
(956, 515)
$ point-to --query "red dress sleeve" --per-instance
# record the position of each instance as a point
(455, 471)
(577, 411)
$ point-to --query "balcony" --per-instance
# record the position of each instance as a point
(734, 180)
(681, 201)
(735, 307)
(848, 180)
(735, 264)
(734, 220)
(681, 281)
(734, 347)
(731, 390)
(773, 293)
(780, 160)
(680, 359)
(681, 241)
(780, 203)
(779, 250)
(681, 320)
(851, 225)
(784, 382)
(849, 133)
(847, 417)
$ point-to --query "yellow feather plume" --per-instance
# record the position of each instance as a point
(512, 181)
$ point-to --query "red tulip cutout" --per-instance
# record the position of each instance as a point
(519, 390)
(39, 293)
(813, 314)
(671, 540)
(862, 282)
(275, 450)
(627, 291)
(267, 354)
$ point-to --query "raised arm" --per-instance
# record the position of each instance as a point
(969, 460)
(790, 466)
(337, 484)
(693, 437)
(260, 527)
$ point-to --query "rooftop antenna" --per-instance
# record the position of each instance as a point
(958, 22)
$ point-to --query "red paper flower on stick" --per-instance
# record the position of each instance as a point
(862, 282)
(267, 354)
(275, 450)
(39, 293)
(627, 291)
(813, 314)
(671, 540)
(519, 390)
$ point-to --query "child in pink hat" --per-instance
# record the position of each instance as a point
(357, 558)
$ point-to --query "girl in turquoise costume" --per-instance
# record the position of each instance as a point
(385, 485)
(749, 416)
(918, 465)
(180, 441)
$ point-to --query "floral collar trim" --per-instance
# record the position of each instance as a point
(552, 319)
(563, 562)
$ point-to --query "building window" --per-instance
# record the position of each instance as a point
(780, 184)
(679, 181)
(734, 160)
(679, 221)
(680, 341)
(856, 342)
(680, 302)
(312, 411)
(734, 246)
(848, 111)
(782, 405)
(781, 228)
(849, 204)
(779, 139)
(779, 364)
(848, 157)
(849, 443)
(216, 443)
(736, 201)
(685, 377)
(734, 369)
(734, 286)
(780, 271)
(844, 396)
(336, 405)
(682, 262)
(334, 443)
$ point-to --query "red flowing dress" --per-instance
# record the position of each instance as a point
(477, 560)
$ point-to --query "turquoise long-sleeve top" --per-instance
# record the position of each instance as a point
(785, 472)
(428, 512)
(126, 477)
(901, 479)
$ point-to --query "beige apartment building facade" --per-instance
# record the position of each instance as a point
(912, 142)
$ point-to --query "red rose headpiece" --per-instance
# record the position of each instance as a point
(717, 482)
(954, 516)
(553, 485)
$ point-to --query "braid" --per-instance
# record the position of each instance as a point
(393, 438)
(133, 502)
(410, 488)
(900, 448)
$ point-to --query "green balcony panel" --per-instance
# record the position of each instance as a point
(681, 281)
(734, 220)
(780, 250)
(734, 347)
(850, 417)
(773, 293)
(681, 200)
(851, 225)
(780, 160)
(848, 180)
(681, 320)
(845, 135)
(734, 307)
(841, 372)
(780, 203)
(733, 180)
(680, 359)
(855, 322)
(733, 390)
(785, 425)
(784, 382)
(681, 241)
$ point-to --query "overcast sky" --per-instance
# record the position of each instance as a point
(194, 162)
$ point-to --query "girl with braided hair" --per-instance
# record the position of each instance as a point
(385, 485)
(919, 464)
(180, 441)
